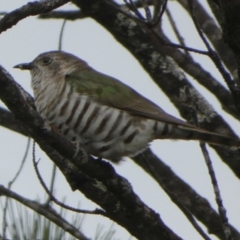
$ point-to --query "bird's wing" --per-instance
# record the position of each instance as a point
(111, 92)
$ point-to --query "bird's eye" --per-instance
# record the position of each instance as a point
(46, 60)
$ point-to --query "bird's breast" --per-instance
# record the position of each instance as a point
(102, 130)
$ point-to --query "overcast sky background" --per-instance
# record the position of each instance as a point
(91, 42)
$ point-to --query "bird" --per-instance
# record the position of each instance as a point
(106, 117)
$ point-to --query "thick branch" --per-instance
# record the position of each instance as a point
(163, 70)
(185, 194)
(197, 205)
(188, 65)
(96, 179)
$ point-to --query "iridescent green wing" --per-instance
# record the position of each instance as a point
(111, 92)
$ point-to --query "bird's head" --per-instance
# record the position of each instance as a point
(53, 64)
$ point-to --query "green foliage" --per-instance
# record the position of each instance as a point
(24, 224)
(29, 225)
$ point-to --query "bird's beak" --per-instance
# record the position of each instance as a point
(24, 66)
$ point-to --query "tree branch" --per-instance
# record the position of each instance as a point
(8, 120)
(198, 205)
(30, 9)
(176, 187)
(152, 56)
(96, 179)
(214, 35)
(48, 212)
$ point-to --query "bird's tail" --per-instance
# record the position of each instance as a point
(194, 133)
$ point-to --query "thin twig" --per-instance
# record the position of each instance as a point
(53, 177)
(131, 16)
(163, 42)
(61, 35)
(147, 10)
(175, 199)
(47, 212)
(157, 5)
(157, 35)
(221, 209)
(135, 10)
(158, 16)
(212, 31)
(177, 33)
(22, 163)
(216, 60)
(9, 187)
(35, 163)
(76, 14)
